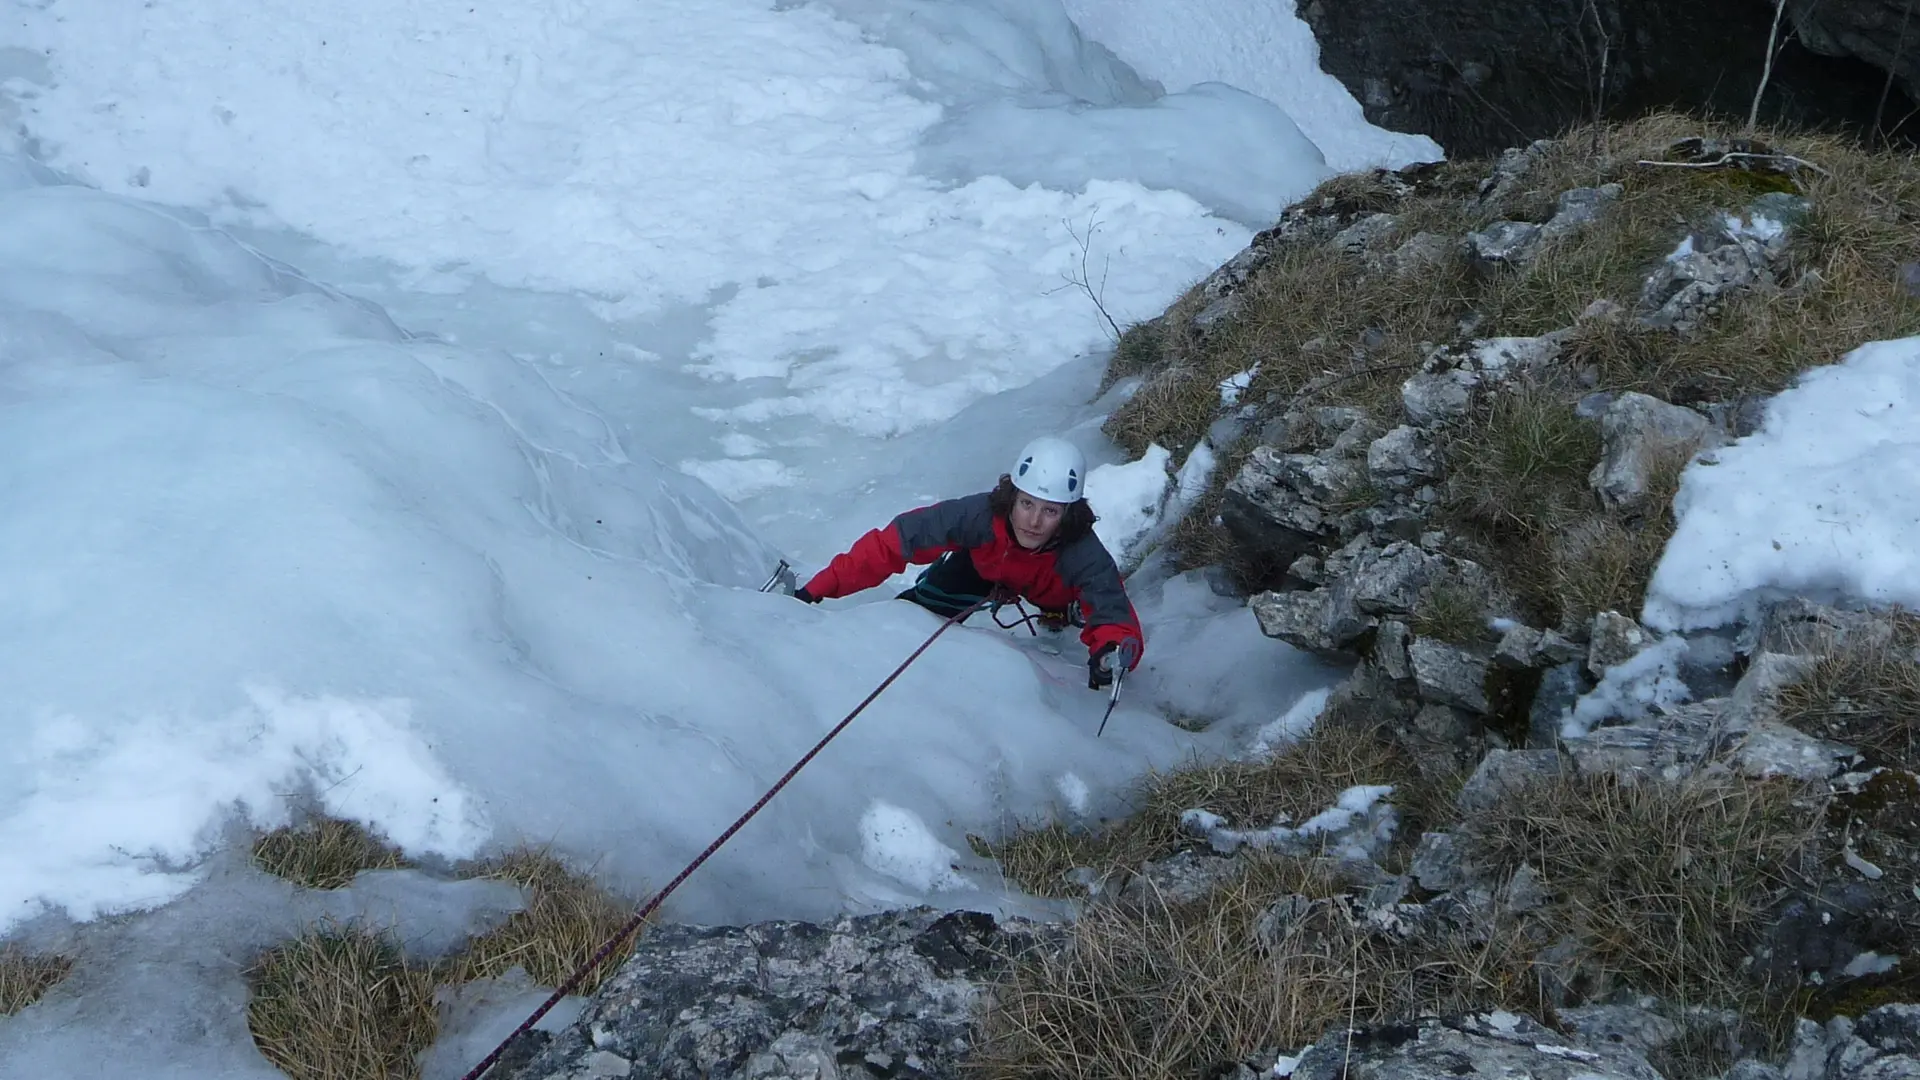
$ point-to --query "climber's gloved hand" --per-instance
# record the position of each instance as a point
(801, 594)
(1109, 659)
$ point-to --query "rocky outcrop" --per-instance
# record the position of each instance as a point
(1485, 74)
(887, 995)
(1487, 1044)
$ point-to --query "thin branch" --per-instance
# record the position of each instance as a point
(1606, 56)
(1766, 73)
(1731, 156)
(1893, 65)
(1084, 282)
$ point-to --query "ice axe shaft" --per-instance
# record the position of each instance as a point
(1118, 677)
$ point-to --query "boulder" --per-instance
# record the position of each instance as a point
(1438, 864)
(1665, 745)
(1426, 252)
(1450, 674)
(1389, 581)
(1613, 639)
(1279, 505)
(1640, 434)
(1365, 234)
(1390, 643)
(1321, 621)
(863, 998)
(1495, 1044)
(1504, 245)
(1402, 460)
(1579, 208)
(1504, 772)
(1688, 286)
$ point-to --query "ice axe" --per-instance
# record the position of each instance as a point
(1113, 700)
(782, 575)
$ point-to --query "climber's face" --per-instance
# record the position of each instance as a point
(1035, 520)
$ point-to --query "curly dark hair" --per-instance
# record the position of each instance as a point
(1076, 522)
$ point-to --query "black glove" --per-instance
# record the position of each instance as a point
(1110, 658)
(801, 594)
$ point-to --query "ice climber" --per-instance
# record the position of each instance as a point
(1030, 537)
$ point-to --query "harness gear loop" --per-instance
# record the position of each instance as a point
(646, 911)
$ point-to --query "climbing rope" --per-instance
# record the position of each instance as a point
(646, 912)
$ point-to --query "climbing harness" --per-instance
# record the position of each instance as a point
(646, 912)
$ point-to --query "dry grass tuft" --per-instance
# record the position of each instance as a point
(1866, 694)
(341, 1003)
(1518, 484)
(26, 977)
(1521, 468)
(568, 917)
(1166, 991)
(1448, 610)
(324, 853)
(1666, 886)
(1301, 781)
(1312, 314)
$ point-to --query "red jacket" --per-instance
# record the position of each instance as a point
(1052, 577)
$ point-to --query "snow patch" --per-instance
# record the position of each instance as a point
(894, 841)
(1632, 689)
(1292, 725)
(1823, 501)
(1127, 499)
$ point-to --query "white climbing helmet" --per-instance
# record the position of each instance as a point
(1051, 468)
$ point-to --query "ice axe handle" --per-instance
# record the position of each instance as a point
(781, 573)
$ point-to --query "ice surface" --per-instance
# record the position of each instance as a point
(1207, 661)
(1259, 46)
(258, 539)
(168, 990)
(1239, 155)
(684, 151)
(476, 1016)
(1823, 501)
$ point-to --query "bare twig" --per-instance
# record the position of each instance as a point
(1606, 57)
(1735, 155)
(1084, 282)
(1766, 73)
(1893, 65)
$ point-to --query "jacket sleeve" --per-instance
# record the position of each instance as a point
(920, 535)
(1087, 568)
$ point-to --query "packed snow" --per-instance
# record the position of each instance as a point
(1634, 689)
(1355, 825)
(1823, 501)
(1128, 498)
(1293, 725)
(400, 406)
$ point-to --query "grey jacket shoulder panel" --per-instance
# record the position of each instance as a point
(967, 521)
(1088, 568)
